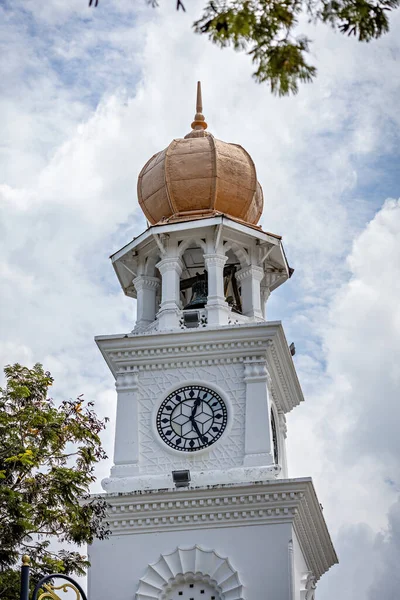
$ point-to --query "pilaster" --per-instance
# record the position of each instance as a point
(258, 435)
(250, 278)
(126, 445)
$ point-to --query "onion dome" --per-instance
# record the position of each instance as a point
(200, 176)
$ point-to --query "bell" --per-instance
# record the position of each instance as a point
(199, 292)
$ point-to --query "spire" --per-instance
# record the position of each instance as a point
(199, 122)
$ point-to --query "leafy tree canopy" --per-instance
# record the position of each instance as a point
(47, 458)
(268, 31)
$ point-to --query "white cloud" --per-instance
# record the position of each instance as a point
(387, 548)
(89, 96)
(353, 411)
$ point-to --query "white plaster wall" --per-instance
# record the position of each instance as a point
(154, 385)
(259, 554)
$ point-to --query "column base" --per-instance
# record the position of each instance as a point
(126, 470)
(217, 312)
(168, 318)
(206, 478)
(264, 459)
(142, 325)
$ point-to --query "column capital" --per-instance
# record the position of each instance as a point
(171, 263)
(271, 277)
(255, 369)
(126, 381)
(146, 282)
(253, 271)
(282, 423)
(216, 259)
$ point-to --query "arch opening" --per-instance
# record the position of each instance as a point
(177, 571)
(191, 586)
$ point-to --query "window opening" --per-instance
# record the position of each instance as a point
(274, 438)
(197, 590)
(199, 290)
(231, 289)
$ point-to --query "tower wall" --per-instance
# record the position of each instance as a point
(261, 540)
(260, 554)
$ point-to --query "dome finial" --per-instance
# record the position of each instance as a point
(199, 120)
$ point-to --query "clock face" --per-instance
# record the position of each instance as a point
(191, 418)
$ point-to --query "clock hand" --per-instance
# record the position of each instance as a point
(197, 430)
(195, 406)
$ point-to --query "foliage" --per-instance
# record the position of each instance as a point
(267, 31)
(47, 458)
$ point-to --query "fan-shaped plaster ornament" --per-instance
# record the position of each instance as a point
(190, 565)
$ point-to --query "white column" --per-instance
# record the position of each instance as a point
(126, 445)
(270, 279)
(250, 278)
(265, 294)
(168, 315)
(258, 435)
(217, 308)
(146, 288)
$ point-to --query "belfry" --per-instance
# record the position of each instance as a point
(201, 506)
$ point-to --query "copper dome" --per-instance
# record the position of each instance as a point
(199, 176)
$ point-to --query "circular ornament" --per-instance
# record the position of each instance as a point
(191, 418)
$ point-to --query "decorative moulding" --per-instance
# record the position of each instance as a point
(281, 501)
(190, 564)
(308, 586)
(209, 346)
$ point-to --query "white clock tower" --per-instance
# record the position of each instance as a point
(201, 507)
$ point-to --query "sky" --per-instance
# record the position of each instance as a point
(87, 97)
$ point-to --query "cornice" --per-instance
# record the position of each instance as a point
(286, 385)
(290, 501)
(205, 347)
(200, 224)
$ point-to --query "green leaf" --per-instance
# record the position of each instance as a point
(268, 31)
(47, 455)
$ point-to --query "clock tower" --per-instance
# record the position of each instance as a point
(201, 506)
